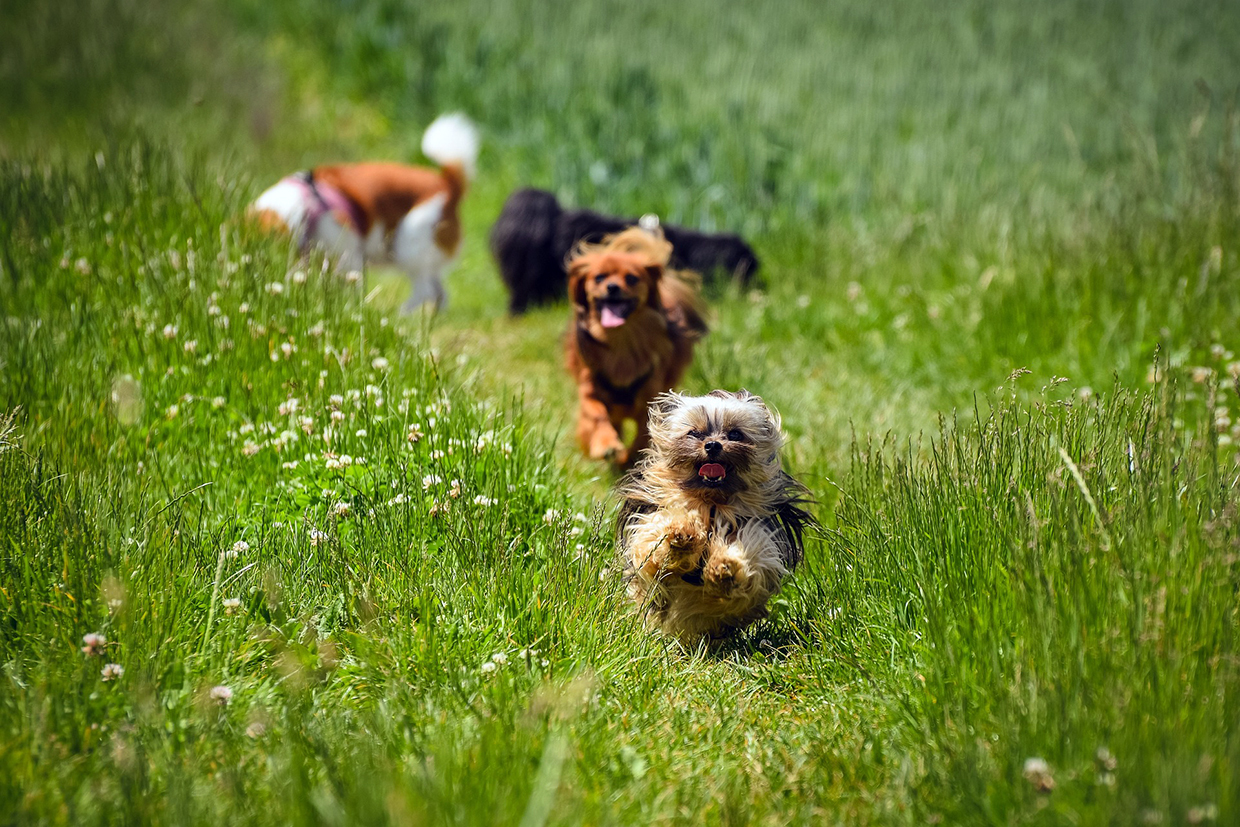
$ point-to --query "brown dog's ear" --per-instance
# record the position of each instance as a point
(654, 273)
(577, 270)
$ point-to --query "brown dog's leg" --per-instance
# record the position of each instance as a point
(598, 435)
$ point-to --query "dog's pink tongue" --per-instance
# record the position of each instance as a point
(713, 471)
(610, 318)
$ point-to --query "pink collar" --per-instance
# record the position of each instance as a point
(322, 199)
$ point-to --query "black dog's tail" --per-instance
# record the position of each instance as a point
(522, 242)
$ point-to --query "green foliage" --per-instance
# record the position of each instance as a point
(349, 564)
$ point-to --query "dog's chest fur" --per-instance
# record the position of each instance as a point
(626, 355)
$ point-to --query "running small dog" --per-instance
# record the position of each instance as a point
(383, 212)
(533, 236)
(710, 524)
(634, 326)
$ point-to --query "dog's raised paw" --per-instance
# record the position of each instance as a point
(682, 539)
(722, 574)
(614, 453)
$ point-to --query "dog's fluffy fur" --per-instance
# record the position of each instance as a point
(383, 212)
(533, 237)
(710, 524)
(635, 322)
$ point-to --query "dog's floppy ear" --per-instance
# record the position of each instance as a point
(654, 273)
(578, 268)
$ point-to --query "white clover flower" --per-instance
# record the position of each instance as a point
(246, 428)
(231, 605)
(415, 433)
(250, 448)
(172, 411)
(190, 346)
(275, 288)
(431, 480)
(341, 509)
(218, 402)
(222, 695)
(317, 537)
(397, 500)
(317, 330)
(256, 729)
(575, 531)
(361, 432)
(1038, 773)
(488, 667)
(353, 276)
(500, 658)
(288, 349)
(306, 423)
(551, 516)
(289, 466)
(379, 363)
(240, 547)
(94, 643)
(170, 331)
(345, 460)
(244, 308)
(335, 400)
(438, 508)
(299, 277)
(455, 490)
(483, 500)
(111, 672)
(437, 454)
(289, 406)
(337, 416)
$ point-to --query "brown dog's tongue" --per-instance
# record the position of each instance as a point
(610, 318)
(712, 471)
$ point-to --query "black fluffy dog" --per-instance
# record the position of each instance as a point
(533, 236)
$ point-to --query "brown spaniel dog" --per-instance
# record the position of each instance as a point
(634, 326)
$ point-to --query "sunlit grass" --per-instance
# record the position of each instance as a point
(345, 566)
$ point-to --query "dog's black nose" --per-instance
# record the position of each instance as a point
(613, 290)
(713, 448)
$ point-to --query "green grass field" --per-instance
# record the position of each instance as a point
(342, 566)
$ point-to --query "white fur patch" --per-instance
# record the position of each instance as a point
(287, 200)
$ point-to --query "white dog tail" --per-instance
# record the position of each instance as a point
(452, 141)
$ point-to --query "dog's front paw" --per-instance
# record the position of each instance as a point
(609, 450)
(686, 544)
(682, 538)
(723, 574)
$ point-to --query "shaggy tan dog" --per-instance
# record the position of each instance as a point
(710, 524)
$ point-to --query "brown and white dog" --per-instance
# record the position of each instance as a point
(379, 212)
(634, 326)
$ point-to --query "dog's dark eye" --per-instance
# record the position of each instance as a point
(600, 278)
(696, 435)
(736, 435)
(630, 280)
